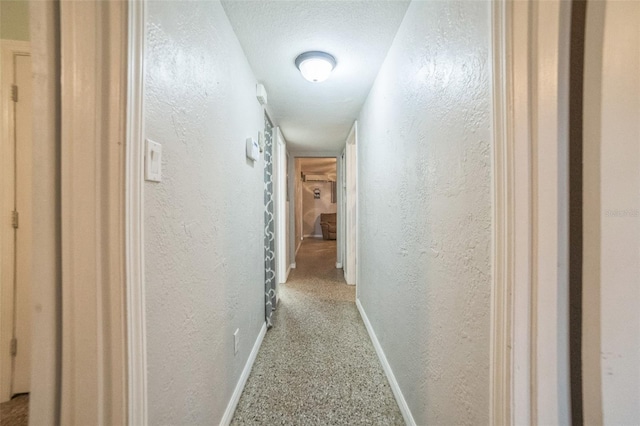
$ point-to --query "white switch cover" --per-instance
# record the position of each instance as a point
(153, 161)
(253, 150)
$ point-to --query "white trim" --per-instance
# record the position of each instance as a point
(340, 209)
(518, 58)
(338, 265)
(93, 44)
(233, 403)
(134, 220)
(393, 383)
(356, 273)
(351, 207)
(280, 189)
(44, 405)
(550, 30)
(293, 266)
(500, 407)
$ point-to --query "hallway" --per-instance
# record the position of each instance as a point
(317, 364)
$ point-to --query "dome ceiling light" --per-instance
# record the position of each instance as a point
(315, 66)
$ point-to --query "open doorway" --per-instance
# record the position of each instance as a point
(316, 200)
(16, 230)
(316, 207)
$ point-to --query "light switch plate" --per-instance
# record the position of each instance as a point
(153, 161)
(253, 150)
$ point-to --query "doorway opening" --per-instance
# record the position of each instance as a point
(317, 209)
(16, 237)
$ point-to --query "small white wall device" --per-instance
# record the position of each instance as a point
(261, 94)
(153, 161)
(253, 149)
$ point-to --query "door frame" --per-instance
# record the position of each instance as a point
(351, 235)
(340, 169)
(529, 377)
(134, 222)
(293, 157)
(280, 193)
(79, 369)
(8, 48)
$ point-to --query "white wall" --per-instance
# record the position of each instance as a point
(424, 264)
(611, 329)
(204, 221)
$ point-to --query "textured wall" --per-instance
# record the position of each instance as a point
(425, 210)
(204, 221)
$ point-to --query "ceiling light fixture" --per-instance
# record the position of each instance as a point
(315, 66)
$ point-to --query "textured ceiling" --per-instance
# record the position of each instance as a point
(315, 117)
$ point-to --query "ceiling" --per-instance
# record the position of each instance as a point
(315, 117)
(319, 166)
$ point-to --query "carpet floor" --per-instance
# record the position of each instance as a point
(317, 365)
(15, 412)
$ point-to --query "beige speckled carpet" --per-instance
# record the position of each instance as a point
(317, 365)
(15, 412)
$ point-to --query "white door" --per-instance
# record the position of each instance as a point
(22, 280)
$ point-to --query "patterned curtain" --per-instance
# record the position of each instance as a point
(269, 225)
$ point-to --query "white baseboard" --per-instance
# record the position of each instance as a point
(292, 266)
(233, 403)
(313, 236)
(402, 403)
(338, 265)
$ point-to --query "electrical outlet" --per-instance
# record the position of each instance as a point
(236, 340)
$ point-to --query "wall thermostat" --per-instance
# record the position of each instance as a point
(261, 94)
(253, 149)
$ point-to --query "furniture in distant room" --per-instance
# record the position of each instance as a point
(328, 224)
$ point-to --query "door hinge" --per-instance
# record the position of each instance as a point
(15, 219)
(14, 346)
(14, 93)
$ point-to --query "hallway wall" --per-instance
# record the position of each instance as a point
(611, 285)
(14, 20)
(204, 221)
(424, 263)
